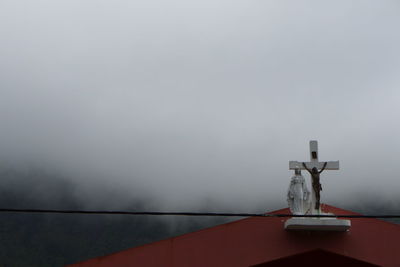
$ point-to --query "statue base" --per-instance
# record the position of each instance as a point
(317, 224)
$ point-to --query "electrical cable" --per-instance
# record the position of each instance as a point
(210, 214)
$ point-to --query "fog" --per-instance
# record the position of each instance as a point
(193, 103)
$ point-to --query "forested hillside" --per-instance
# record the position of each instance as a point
(59, 239)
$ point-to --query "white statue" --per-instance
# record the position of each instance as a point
(298, 194)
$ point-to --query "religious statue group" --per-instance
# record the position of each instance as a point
(298, 195)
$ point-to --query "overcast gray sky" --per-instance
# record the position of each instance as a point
(193, 101)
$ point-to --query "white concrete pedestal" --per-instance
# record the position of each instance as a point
(317, 224)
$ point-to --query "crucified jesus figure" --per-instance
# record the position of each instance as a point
(316, 185)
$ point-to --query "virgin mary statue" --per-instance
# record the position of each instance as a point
(298, 194)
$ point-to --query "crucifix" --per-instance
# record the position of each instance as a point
(314, 167)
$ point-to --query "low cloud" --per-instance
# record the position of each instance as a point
(192, 103)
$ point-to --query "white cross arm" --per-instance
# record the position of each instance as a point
(331, 165)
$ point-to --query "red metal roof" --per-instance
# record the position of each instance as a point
(263, 241)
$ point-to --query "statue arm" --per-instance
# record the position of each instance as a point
(323, 168)
(305, 166)
(290, 192)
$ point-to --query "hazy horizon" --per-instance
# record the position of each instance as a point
(191, 102)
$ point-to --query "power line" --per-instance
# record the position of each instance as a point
(209, 214)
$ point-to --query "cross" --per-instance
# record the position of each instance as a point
(330, 165)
